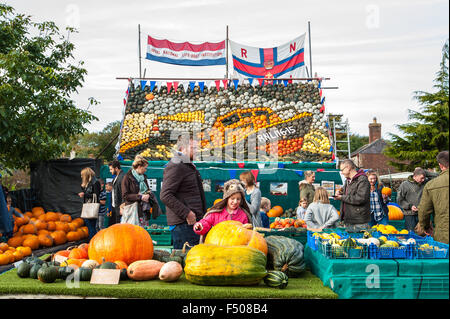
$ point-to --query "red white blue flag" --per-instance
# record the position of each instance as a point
(186, 53)
(286, 60)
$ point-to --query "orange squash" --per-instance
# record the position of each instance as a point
(395, 213)
(77, 253)
(37, 210)
(51, 217)
(51, 226)
(73, 236)
(3, 247)
(26, 251)
(232, 233)
(59, 237)
(29, 229)
(79, 221)
(275, 211)
(32, 242)
(124, 242)
(121, 265)
(144, 269)
(15, 241)
(40, 225)
(66, 218)
(386, 191)
(45, 240)
(18, 255)
(4, 259)
(62, 226)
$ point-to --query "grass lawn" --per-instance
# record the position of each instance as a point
(306, 286)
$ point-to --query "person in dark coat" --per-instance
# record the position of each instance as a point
(116, 194)
(355, 199)
(182, 193)
(90, 186)
(135, 188)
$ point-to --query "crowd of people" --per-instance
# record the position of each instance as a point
(128, 199)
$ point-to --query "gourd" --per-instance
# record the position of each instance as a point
(64, 272)
(349, 243)
(232, 233)
(144, 269)
(124, 242)
(108, 265)
(34, 270)
(90, 263)
(170, 271)
(208, 264)
(84, 273)
(286, 255)
(276, 279)
(23, 271)
(48, 274)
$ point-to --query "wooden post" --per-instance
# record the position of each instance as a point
(226, 55)
(310, 56)
(140, 66)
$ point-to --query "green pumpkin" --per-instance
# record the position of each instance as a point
(85, 273)
(123, 274)
(23, 271)
(64, 272)
(34, 270)
(286, 255)
(159, 254)
(108, 265)
(48, 274)
(33, 260)
(349, 243)
(276, 279)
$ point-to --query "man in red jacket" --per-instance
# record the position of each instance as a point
(355, 199)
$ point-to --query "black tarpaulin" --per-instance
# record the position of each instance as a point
(56, 183)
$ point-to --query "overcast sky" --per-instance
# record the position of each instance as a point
(377, 52)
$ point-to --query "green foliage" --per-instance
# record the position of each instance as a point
(37, 77)
(428, 134)
(357, 141)
(96, 142)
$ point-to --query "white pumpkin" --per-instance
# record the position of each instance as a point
(90, 263)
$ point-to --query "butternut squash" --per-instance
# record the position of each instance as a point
(144, 269)
(170, 271)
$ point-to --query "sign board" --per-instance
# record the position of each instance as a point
(105, 276)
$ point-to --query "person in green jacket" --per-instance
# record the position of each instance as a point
(434, 202)
(306, 187)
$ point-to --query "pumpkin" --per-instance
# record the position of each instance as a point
(81, 233)
(386, 191)
(144, 269)
(48, 274)
(34, 270)
(275, 211)
(79, 221)
(51, 226)
(10, 255)
(124, 242)
(26, 251)
(73, 236)
(232, 233)
(108, 265)
(45, 240)
(3, 247)
(85, 247)
(42, 218)
(286, 255)
(149, 97)
(73, 226)
(59, 237)
(83, 273)
(23, 271)
(208, 264)
(65, 271)
(20, 221)
(32, 242)
(90, 263)
(62, 226)
(40, 225)
(18, 255)
(37, 211)
(77, 253)
(73, 261)
(51, 217)
(65, 218)
(121, 265)
(170, 271)
(276, 279)
(395, 213)
(43, 232)
(4, 259)
(64, 253)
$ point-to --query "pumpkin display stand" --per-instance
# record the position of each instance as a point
(307, 286)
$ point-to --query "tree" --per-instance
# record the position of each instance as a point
(356, 140)
(37, 77)
(94, 143)
(429, 133)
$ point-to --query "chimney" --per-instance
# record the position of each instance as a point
(374, 130)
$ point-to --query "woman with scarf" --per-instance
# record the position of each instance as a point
(379, 212)
(135, 188)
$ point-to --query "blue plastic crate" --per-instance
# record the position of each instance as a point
(341, 252)
(441, 253)
(313, 242)
(401, 252)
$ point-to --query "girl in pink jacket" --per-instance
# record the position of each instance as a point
(232, 207)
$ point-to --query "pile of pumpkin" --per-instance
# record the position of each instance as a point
(40, 229)
(231, 254)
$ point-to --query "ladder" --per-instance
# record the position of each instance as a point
(342, 129)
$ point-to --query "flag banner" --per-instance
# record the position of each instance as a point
(143, 83)
(186, 53)
(235, 82)
(192, 86)
(152, 85)
(169, 86)
(202, 86)
(225, 83)
(286, 60)
(217, 85)
(250, 80)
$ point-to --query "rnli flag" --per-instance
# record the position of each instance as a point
(186, 53)
(286, 60)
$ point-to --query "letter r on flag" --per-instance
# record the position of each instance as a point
(243, 53)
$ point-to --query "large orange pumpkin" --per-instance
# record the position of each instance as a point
(124, 242)
(232, 233)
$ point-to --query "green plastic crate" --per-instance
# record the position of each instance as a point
(160, 220)
(162, 237)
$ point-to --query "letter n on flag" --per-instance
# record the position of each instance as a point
(284, 61)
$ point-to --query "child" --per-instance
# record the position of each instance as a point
(301, 209)
(102, 209)
(108, 188)
(265, 207)
(232, 207)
